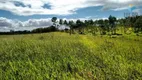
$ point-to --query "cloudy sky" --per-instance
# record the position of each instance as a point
(30, 14)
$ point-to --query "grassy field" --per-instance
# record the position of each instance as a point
(59, 56)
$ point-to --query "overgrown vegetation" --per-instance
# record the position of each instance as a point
(59, 56)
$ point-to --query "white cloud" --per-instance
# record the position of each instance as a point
(37, 23)
(62, 7)
(8, 24)
(139, 11)
(5, 22)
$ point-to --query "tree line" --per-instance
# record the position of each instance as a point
(103, 26)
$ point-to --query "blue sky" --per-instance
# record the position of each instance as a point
(88, 13)
(27, 13)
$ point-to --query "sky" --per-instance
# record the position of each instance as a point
(31, 14)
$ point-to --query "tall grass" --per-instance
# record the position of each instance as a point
(59, 56)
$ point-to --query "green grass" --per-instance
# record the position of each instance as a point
(59, 56)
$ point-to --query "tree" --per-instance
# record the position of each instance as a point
(138, 25)
(54, 20)
(112, 21)
(65, 22)
(71, 25)
(80, 25)
(86, 22)
(102, 26)
(106, 23)
(91, 22)
(61, 22)
(122, 24)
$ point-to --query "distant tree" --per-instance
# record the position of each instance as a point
(90, 26)
(100, 22)
(138, 25)
(91, 22)
(106, 24)
(86, 23)
(11, 31)
(54, 19)
(47, 29)
(112, 21)
(80, 25)
(102, 26)
(61, 22)
(65, 22)
(71, 25)
(129, 22)
(121, 24)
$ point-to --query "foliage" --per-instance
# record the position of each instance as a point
(61, 22)
(54, 19)
(47, 29)
(65, 22)
(138, 24)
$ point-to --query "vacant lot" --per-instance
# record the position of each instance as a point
(59, 56)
